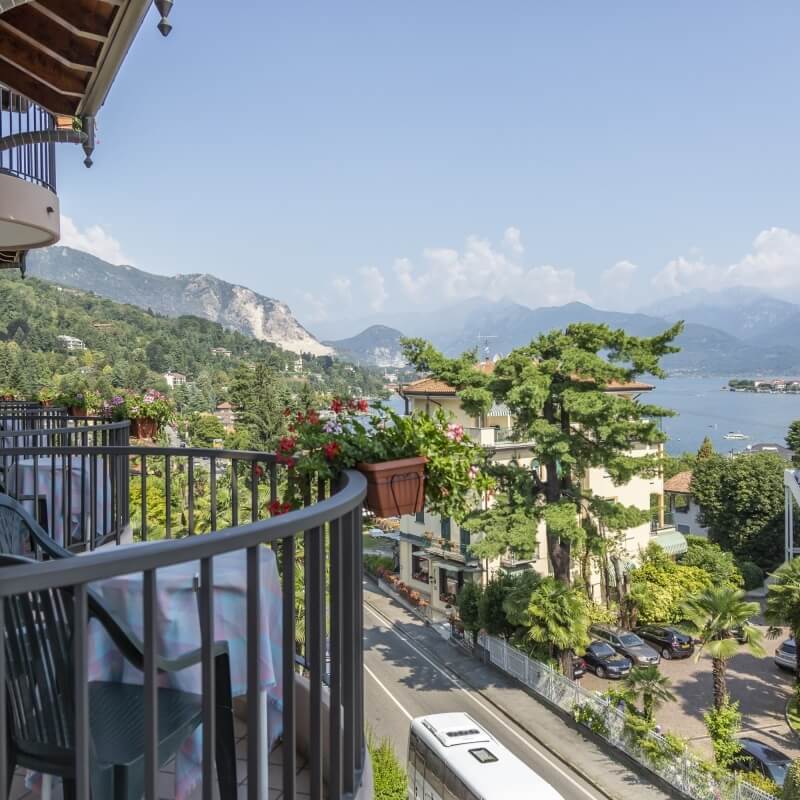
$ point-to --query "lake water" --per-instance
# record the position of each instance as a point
(705, 410)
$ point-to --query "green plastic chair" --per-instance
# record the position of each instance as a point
(39, 628)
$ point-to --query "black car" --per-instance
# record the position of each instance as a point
(627, 644)
(669, 641)
(762, 759)
(602, 659)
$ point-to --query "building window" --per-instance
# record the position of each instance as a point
(446, 528)
(420, 516)
(450, 584)
(464, 539)
(420, 564)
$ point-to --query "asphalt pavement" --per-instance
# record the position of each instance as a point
(408, 674)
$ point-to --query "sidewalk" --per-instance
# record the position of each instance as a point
(562, 737)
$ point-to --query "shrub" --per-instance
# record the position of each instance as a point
(723, 724)
(760, 782)
(586, 714)
(373, 563)
(468, 602)
(753, 575)
(791, 786)
(389, 775)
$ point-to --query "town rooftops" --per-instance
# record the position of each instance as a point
(680, 483)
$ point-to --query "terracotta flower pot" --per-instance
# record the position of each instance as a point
(76, 411)
(395, 487)
(142, 428)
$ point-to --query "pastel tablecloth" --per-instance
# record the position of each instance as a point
(178, 631)
(21, 474)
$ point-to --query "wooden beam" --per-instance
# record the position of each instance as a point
(50, 36)
(41, 66)
(27, 85)
(9, 29)
(81, 17)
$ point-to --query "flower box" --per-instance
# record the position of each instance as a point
(143, 428)
(395, 487)
(76, 411)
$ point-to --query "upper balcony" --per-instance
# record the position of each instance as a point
(186, 589)
(495, 437)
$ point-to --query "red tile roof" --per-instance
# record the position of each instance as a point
(680, 483)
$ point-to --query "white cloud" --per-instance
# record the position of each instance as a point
(773, 263)
(316, 309)
(94, 240)
(374, 286)
(343, 288)
(512, 239)
(620, 276)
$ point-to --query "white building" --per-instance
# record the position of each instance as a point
(71, 342)
(174, 379)
(681, 505)
(435, 559)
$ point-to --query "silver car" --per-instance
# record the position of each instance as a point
(627, 644)
(786, 655)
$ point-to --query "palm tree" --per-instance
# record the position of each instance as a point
(558, 618)
(783, 602)
(713, 616)
(648, 683)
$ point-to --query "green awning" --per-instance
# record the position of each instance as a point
(672, 543)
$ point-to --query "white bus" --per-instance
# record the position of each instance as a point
(451, 757)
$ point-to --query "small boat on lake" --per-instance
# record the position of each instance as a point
(735, 435)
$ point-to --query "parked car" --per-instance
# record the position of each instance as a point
(578, 667)
(602, 659)
(786, 655)
(762, 759)
(669, 641)
(627, 644)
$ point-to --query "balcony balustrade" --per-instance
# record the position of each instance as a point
(90, 490)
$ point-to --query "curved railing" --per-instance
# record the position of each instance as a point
(329, 533)
(29, 158)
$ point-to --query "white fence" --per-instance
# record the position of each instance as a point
(682, 771)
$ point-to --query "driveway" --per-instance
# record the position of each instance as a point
(760, 687)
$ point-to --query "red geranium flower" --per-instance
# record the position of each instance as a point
(259, 470)
(277, 508)
(287, 412)
(336, 405)
(363, 405)
(287, 444)
(312, 416)
(331, 449)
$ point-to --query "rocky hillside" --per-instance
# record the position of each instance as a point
(236, 307)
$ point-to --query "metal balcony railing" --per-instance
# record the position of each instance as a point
(33, 160)
(163, 493)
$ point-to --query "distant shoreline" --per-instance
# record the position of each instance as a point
(763, 386)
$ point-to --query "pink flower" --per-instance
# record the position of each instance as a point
(473, 472)
(455, 432)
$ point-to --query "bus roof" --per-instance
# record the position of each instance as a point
(488, 768)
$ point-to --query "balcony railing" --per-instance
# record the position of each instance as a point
(34, 160)
(152, 493)
(490, 437)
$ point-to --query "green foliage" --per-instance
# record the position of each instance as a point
(723, 724)
(389, 775)
(659, 586)
(710, 557)
(493, 617)
(742, 503)
(260, 397)
(658, 751)
(651, 686)
(793, 441)
(204, 429)
(760, 782)
(375, 565)
(468, 603)
(783, 598)
(791, 785)
(586, 714)
(706, 449)
(711, 616)
(555, 389)
(518, 598)
(752, 575)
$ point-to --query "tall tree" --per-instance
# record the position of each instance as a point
(712, 617)
(649, 684)
(793, 441)
(706, 449)
(783, 603)
(260, 397)
(556, 389)
(742, 503)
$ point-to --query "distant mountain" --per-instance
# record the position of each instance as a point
(498, 327)
(744, 313)
(378, 346)
(236, 307)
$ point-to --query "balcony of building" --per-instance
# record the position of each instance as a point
(159, 576)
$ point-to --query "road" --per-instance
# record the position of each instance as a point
(403, 681)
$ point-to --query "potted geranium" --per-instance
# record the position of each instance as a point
(80, 402)
(47, 396)
(147, 412)
(410, 462)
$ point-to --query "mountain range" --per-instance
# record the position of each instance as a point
(206, 296)
(735, 332)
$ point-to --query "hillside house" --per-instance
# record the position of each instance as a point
(226, 415)
(70, 342)
(174, 379)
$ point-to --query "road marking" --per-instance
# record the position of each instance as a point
(387, 623)
(391, 696)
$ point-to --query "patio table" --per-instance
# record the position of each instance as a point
(29, 479)
(178, 631)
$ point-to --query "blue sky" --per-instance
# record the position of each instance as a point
(356, 156)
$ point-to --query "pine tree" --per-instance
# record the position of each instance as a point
(706, 449)
(556, 389)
